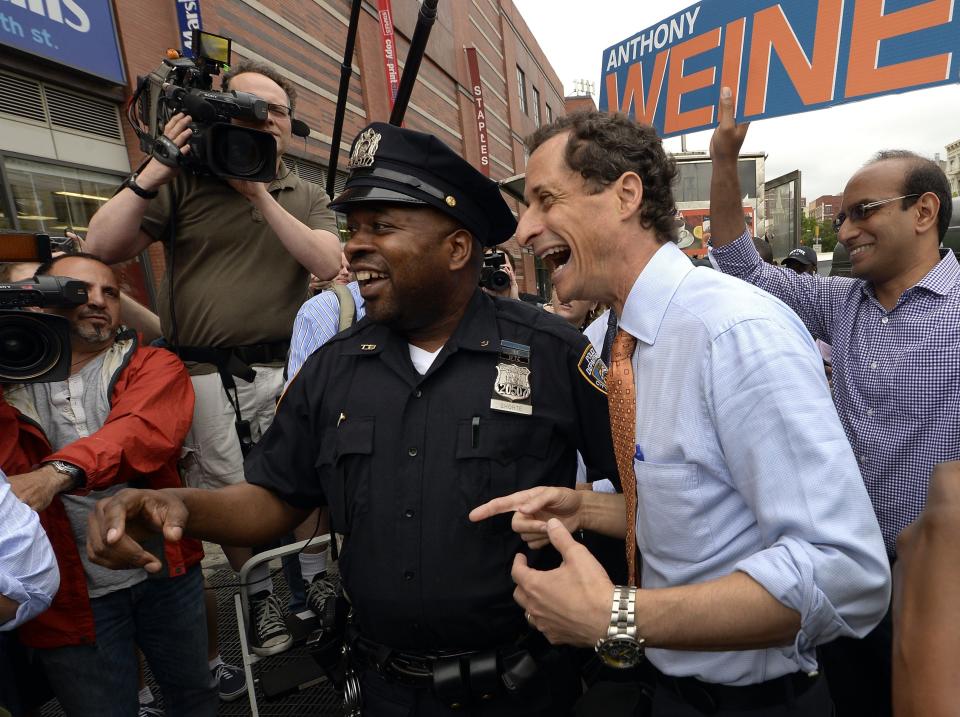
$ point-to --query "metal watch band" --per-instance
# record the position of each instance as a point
(131, 183)
(76, 473)
(623, 612)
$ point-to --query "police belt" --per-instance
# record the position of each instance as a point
(710, 698)
(237, 360)
(456, 676)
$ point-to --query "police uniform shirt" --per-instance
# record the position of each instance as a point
(401, 459)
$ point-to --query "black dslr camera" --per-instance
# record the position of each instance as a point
(216, 146)
(34, 347)
(492, 274)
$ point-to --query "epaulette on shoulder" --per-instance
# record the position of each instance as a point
(351, 331)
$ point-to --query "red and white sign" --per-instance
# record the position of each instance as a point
(385, 13)
(476, 90)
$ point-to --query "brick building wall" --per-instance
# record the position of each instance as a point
(825, 208)
(304, 39)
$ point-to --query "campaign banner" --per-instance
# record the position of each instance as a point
(389, 45)
(779, 57)
(188, 20)
(476, 89)
(80, 34)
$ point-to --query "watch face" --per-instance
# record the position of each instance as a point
(620, 652)
(66, 468)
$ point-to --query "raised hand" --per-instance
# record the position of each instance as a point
(728, 136)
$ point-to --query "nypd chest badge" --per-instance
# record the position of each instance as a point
(511, 388)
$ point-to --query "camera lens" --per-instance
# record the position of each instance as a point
(242, 152)
(28, 347)
(500, 280)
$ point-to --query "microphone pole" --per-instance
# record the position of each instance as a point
(418, 45)
(346, 69)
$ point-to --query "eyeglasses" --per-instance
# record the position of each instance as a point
(859, 212)
(280, 110)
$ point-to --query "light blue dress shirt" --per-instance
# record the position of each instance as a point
(746, 466)
(318, 321)
(28, 569)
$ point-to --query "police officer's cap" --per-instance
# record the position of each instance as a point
(399, 166)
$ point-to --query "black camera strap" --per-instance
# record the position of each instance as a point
(166, 152)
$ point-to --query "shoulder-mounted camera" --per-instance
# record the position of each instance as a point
(217, 147)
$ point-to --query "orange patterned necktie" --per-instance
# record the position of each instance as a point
(623, 424)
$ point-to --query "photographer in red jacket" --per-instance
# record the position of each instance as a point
(118, 420)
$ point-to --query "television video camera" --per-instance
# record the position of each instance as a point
(34, 347)
(217, 147)
(492, 274)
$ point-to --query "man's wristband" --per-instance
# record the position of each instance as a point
(131, 184)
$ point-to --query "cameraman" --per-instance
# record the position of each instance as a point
(511, 291)
(132, 313)
(241, 253)
(118, 420)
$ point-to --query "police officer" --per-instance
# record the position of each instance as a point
(440, 399)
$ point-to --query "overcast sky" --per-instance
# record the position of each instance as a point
(826, 145)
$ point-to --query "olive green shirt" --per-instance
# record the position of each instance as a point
(235, 284)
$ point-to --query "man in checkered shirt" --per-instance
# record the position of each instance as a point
(895, 331)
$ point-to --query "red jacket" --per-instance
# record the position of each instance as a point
(151, 408)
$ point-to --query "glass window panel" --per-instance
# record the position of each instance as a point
(52, 199)
(522, 89)
(694, 180)
(6, 221)
(781, 219)
(544, 281)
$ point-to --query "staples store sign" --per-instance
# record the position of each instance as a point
(779, 58)
(78, 33)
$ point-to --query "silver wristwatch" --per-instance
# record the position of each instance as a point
(76, 474)
(621, 648)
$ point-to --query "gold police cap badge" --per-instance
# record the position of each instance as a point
(364, 150)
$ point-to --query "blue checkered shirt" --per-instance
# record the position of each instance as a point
(896, 374)
(318, 321)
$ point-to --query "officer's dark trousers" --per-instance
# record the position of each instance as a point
(552, 694)
(859, 672)
(815, 702)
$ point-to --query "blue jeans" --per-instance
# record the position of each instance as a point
(165, 618)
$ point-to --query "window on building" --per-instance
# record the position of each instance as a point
(53, 198)
(536, 106)
(49, 198)
(544, 282)
(522, 90)
(549, 114)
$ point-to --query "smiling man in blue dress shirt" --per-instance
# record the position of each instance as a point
(757, 537)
